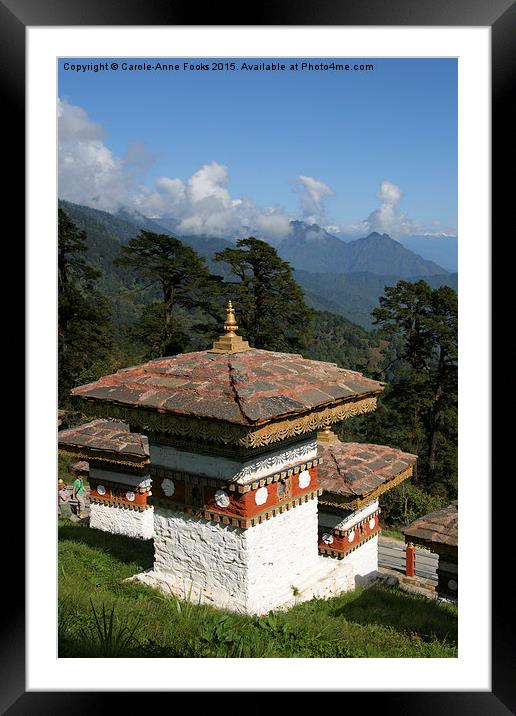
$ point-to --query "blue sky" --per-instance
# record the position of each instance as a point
(350, 150)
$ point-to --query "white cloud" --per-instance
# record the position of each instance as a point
(313, 193)
(89, 173)
(387, 218)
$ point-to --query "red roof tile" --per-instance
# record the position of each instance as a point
(355, 470)
(105, 436)
(440, 527)
(245, 388)
(80, 468)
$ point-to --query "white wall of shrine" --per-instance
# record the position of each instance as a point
(122, 521)
(272, 565)
(364, 559)
(239, 471)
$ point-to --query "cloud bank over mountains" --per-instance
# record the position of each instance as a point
(91, 174)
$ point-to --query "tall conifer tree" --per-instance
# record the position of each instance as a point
(271, 309)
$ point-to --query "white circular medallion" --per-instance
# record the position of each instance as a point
(101, 489)
(452, 584)
(327, 537)
(351, 536)
(372, 523)
(222, 498)
(168, 487)
(304, 479)
(261, 496)
(130, 496)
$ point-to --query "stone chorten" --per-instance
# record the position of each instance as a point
(352, 476)
(117, 464)
(233, 447)
(438, 532)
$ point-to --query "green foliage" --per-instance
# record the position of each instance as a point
(420, 405)
(337, 340)
(183, 281)
(271, 310)
(407, 502)
(110, 637)
(83, 313)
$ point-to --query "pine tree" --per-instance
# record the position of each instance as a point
(183, 281)
(84, 335)
(422, 397)
(272, 313)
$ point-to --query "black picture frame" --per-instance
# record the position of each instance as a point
(500, 15)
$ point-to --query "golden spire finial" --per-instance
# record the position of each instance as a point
(230, 325)
(230, 342)
(327, 437)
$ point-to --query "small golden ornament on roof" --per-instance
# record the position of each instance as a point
(230, 342)
(327, 437)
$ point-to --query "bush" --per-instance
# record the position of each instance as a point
(407, 502)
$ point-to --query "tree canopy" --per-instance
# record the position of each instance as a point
(84, 337)
(418, 411)
(184, 282)
(272, 313)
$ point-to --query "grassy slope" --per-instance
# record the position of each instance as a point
(379, 622)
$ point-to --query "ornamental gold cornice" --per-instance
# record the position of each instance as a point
(203, 430)
(105, 458)
(341, 502)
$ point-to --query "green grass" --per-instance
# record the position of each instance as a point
(64, 462)
(393, 533)
(101, 615)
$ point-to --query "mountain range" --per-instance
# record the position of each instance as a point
(346, 278)
(311, 248)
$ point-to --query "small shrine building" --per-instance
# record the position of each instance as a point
(438, 532)
(233, 457)
(116, 464)
(352, 476)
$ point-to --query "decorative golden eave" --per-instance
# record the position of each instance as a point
(103, 456)
(348, 502)
(230, 342)
(198, 430)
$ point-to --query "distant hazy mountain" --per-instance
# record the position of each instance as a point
(311, 248)
(441, 249)
(354, 295)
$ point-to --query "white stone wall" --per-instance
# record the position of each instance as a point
(122, 521)
(364, 559)
(201, 560)
(281, 552)
(239, 471)
(269, 566)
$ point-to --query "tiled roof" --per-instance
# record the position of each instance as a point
(439, 527)
(355, 470)
(81, 467)
(247, 388)
(105, 436)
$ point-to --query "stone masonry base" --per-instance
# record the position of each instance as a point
(122, 521)
(272, 565)
(330, 579)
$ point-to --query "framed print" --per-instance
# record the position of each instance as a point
(244, 163)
